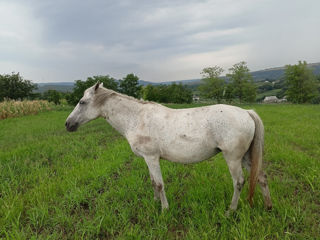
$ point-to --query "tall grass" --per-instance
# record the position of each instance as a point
(12, 108)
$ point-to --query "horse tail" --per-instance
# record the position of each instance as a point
(256, 153)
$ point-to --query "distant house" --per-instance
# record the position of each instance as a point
(283, 100)
(271, 99)
(195, 98)
(274, 99)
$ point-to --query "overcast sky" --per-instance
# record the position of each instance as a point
(165, 40)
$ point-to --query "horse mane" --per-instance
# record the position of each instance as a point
(102, 94)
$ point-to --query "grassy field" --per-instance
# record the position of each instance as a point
(89, 185)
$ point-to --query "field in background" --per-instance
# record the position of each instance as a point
(89, 185)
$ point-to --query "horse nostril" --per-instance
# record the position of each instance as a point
(66, 124)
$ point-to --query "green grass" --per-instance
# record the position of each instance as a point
(89, 185)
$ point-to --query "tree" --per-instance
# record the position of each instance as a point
(250, 91)
(52, 96)
(212, 85)
(130, 85)
(108, 82)
(267, 86)
(179, 93)
(15, 87)
(80, 86)
(174, 93)
(301, 83)
(242, 82)
(150, 93)
(228, 93)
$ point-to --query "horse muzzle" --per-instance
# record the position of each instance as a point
(71, 127)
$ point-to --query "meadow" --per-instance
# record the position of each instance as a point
(89, 185)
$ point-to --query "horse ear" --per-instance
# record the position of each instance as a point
(101, 85)
(96, 86)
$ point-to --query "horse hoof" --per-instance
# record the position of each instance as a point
(229, 213)
(165, 208)
(269, 208)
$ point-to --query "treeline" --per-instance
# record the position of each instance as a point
(173, 93)
(298, 85)
(239, 84)
(129, 85)
(16, 88)
(80, 86)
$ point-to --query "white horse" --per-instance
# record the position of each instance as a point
(181, 135)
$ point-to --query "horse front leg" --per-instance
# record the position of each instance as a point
(156, 178)
(156, 195)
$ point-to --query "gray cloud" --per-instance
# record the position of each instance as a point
(157, 40)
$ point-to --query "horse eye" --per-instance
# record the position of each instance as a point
(82, 102)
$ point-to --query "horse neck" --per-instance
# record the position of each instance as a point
(122, 113)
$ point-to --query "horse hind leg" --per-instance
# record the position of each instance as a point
(262, 180)
(234, 164)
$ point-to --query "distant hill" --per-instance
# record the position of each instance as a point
(276, 73)
(186, 82)
(258, 76)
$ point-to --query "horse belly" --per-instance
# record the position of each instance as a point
(188, 153)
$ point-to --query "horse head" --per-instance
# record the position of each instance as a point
(87, 108)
